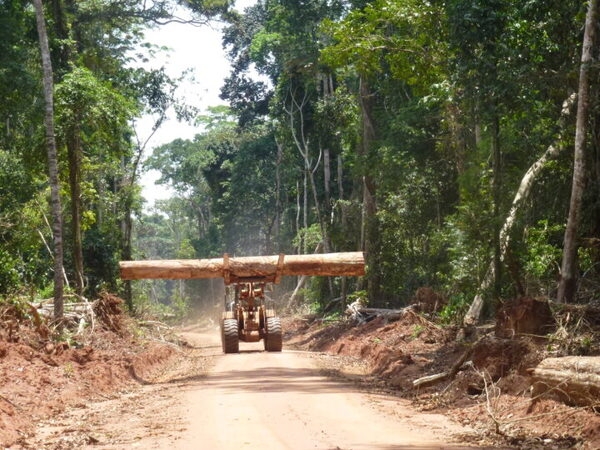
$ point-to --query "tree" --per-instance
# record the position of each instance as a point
(498, 78)
(523, 192)
(99, 96)
(568, 275)
(388, 55)
(52, 161)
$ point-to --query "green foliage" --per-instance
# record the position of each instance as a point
(9, 272)
(456, 308)
(468, 255)
(18, 306)
(391, 36)
(417, 331)
(360, 296)
(543, 253)
(307, 239)
(396, 100)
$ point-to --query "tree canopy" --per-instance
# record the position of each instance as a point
(410, 130)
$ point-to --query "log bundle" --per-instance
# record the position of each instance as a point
(261, 268)
(573, 379)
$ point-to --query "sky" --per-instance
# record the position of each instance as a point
(196, 48)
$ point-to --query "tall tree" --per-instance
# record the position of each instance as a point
(568, 275)
(52, 161)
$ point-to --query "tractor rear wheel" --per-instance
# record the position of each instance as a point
(273, 335)
(229, 336)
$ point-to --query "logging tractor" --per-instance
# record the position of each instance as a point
(246, 316)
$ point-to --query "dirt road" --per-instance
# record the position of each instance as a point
(253, 400)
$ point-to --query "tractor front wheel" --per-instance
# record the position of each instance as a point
(229, 336)
(273, 335)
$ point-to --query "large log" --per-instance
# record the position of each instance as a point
(268, 268)
(572, 379)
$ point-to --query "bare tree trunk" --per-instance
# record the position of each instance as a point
(327, 178)
(305, 209)
(302, 144)
(52, 162)
(340, 176)
(320, 219)
(568, 276)
(300, 244)
(126, 186)
(368, 135)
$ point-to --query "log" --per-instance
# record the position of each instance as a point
(393, 313)
(574, 380)
(260, 268)
(362, 314)
(389, 314)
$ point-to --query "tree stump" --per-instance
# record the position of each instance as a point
(524, 316)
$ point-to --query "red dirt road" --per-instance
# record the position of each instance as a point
(266, 400)
(280, 401)
(251, 400)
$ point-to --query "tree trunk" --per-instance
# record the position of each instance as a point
(327, 206)
(340, 180)
(52, 162)
(126, 250)
(524, 316)
(322, 224)
(297, 125)
(327, 180)
(369, 232)
(126, 189)
(249, 268)
(305, 210)
(368, 135)
(574, 380)
(298, 211)
(568, 276)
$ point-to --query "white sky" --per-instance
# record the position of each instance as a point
(197, 48)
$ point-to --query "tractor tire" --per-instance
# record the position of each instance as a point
(273, 335)
(229, 336)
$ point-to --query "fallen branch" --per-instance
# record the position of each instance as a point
(80, 313)
(430, 380)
